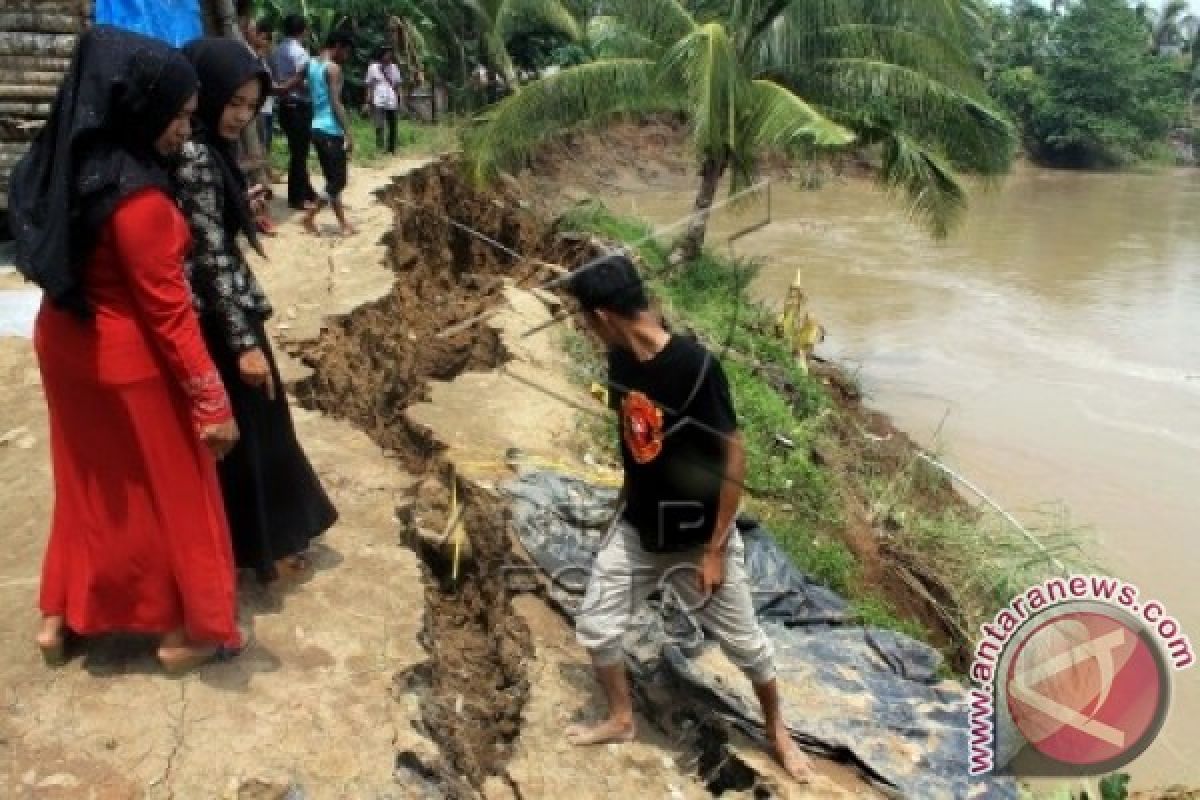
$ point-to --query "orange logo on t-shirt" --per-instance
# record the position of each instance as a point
(642, 426)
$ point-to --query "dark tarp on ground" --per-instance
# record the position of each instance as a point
(866, 693)
(174, 21)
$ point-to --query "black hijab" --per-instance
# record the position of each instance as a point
(224, 66)
(121, 92)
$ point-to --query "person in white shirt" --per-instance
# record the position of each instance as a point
(383, 96)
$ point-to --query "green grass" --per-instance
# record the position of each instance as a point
(412, 139)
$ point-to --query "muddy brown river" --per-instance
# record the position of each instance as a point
(1050, 350)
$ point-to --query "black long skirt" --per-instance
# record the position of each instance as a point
(274, 501)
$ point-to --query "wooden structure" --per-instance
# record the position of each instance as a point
(37, 38)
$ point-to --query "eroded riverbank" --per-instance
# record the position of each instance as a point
(1048, 350)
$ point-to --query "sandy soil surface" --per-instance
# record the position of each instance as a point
(309, 704)
(374, 679)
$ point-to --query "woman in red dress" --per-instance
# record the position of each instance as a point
(138, 413)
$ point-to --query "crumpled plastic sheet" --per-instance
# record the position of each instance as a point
(866, 695)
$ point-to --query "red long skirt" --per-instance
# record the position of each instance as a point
(139, 541)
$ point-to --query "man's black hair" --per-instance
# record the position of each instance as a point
(338, 39)
(294, 26)
(611, 283)
(265, 26)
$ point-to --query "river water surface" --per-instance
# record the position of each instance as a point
(1050, 350)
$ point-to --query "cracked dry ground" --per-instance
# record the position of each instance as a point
(380, 677)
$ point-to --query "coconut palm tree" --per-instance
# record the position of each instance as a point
(784, 75)
(500, 20)
(1165, 25)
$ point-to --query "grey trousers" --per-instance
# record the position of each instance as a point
(624, 575)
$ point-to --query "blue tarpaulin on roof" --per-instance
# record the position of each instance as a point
(174, 21)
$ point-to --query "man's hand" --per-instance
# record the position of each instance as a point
(712, 571)
(349, 144)
(255, 371)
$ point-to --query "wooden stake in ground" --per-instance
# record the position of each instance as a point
(455, 530)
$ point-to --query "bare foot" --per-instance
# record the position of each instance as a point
(311, 226)
(179, 654)
(609, 731)
(52, 640)
(293, 567)
(51, 632)
(794, 762)
(349, 230)
(297, 562)
(178, 660)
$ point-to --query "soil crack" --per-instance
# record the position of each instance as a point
(368, 367)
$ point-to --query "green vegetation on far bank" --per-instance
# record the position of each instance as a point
(811, 500)
(1101, 85)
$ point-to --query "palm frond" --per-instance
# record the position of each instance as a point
(611, 38)
(927, 51)
(561, 102)
(773, 118)
(496, 51)
(661, 21)
(968, 130)
(703, 66)
(519, 16)
(934, 195)
(780, 119)
(798, 17)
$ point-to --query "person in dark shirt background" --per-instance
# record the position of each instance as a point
(684, 463)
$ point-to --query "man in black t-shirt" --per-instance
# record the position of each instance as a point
(684, 465)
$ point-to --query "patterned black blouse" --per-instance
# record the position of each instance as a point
(222, 282)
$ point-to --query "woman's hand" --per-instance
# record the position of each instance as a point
(220, 437)
(258, 197)
(256, 371)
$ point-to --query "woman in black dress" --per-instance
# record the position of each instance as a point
(273, 498)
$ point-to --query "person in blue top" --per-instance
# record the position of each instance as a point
(331, 136)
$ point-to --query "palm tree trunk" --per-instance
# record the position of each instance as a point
(692, 243)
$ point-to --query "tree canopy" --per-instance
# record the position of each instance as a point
(783, 75)
(1092, 87)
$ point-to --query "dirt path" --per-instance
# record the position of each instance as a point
(374, 679)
